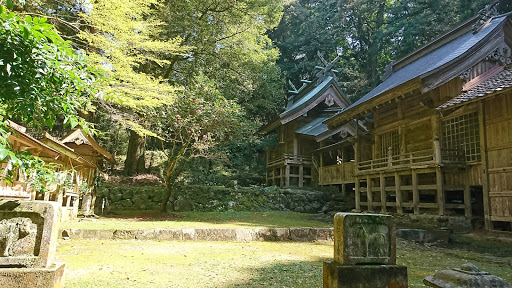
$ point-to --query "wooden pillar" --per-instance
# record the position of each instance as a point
(68, 202)
(357, 191)
(376, 147)
(390, 157)
(301, 175)
(344, 189)
(401, 134)
(46, 196)
(437, 152)
(485, 166)
(369, 193)
(467, 195)
(382, 181)
(357, 148)
(415, 192)
(398, 194)
(75, 206)
(60, 197)
(266, 177)
(287, 176)
(295, 148)
(440, 190)
(436, 131)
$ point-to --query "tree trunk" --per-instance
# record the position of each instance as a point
(135, 162)
(170, 194)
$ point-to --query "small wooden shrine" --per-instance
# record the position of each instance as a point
(307, 151)
(78, 157)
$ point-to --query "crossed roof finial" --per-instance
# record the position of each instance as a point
(327, 70)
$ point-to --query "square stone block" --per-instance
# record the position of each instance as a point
(51, 277)
(364, 276)
(364, 239)
(28, 233)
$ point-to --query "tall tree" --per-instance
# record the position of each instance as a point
(199, 119)
(124, 37)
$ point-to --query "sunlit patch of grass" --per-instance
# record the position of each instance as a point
(192, 264)
(238, 219)
(133, 263)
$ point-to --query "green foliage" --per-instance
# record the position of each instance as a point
(228, 45)
(41, 80)
(124, 38)
(40, 76)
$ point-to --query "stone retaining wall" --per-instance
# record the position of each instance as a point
(205, 234)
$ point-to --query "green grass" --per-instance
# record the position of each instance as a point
(153, 219)
(125, 263)
(192, 264)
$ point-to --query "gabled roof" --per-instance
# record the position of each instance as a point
(457, 45)
(308, 99)
(498, 82)
(79, 137)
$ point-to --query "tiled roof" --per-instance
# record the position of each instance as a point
(498, 82)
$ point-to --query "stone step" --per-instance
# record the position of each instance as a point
(304, 234)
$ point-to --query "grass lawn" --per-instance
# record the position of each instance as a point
(154, 219)
(125, 263)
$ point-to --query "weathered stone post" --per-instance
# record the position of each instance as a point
(364, 253)
(28, 238)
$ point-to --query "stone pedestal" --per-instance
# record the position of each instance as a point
(28, 238)
(33, 277)
(364, 253)
(364, 276)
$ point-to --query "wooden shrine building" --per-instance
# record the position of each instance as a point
(77, 155)
(441, 128)
(307, 151)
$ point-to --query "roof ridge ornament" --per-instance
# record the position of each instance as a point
(485, 14)
(326, 70)
(294, 89)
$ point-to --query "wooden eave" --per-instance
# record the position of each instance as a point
(481, 98)
(67, 151)
(88, 140)
(269, 127)
(331, 132)
(30, 142)
(457, 66)
(373, 103)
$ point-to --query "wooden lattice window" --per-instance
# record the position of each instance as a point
(463, 133)
(387, 140)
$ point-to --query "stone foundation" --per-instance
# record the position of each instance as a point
(32, 277)
(364, 276)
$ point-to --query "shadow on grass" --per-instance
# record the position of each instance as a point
(296, 274)
(256, 219)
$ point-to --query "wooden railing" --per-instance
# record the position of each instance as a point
(290, 159)
(337, 174)
(423, 157)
